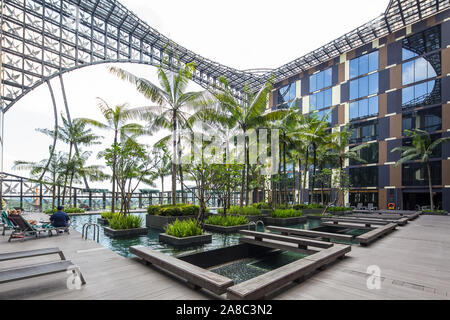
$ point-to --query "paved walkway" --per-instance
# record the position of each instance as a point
(414, 263)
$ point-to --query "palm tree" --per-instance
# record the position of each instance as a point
(163, 168)
(171, 100)
(117, 119)
(75, 134)
(48, 171)
(421, 149)
(248, 113)
(340, 151)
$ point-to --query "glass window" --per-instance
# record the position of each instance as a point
(328, 101)
(363, 87)
(312, 83)
(373, 61)
(354, 110)
(354, 90)
(420, 69)
(320, 103)
(373, 106)
(373, 83)
(408, 73)
(363, 64)
(407, 54)
(313, 102)
(321, 80)
(363, 108)
(426, 93)
(354, 68)
(421, 43)
(320, 100)
(287, 94)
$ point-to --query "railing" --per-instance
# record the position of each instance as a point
(31, 195)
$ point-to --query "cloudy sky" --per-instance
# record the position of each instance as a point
(241, 34)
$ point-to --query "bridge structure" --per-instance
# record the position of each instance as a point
(43, 39)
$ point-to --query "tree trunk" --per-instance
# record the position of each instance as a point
(174, 162)
(67, 173)
(314, 172)
(430, 186)
(113, 195)
(299, 180)
(305, 175)
(285, 196)
(294, 198)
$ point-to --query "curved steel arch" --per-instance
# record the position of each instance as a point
(45, 38)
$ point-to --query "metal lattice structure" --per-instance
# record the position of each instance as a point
(42, 39)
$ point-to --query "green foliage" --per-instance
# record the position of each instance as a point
(339, 209)
(244, 211)
(183, 229)
(108, 215)
(262, 205)
(435, 211)
(228, 221)
(308, 206)
(121, 222)
(66, 209)
(173, 211)
(286, 213)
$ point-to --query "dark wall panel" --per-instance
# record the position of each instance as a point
(383, 176)
(394, 53)
(393, 156)
(445, 89)
(446, 199)
(345, 88)
(305, 86)
(335, 75)
(394, 101)
(383, 128)
(384, 80)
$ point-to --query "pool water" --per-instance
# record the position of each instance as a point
(246, 269)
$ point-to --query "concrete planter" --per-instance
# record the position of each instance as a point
(434, 214)
(283, 221)
(222, 229)
(159, 222)
(124, 233)
(266, 211)
(102, 221)
(185, 242)
(312, 211)
(257, 218)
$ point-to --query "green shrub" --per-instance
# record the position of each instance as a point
(244, 211)
(66, 209)
(286, 213)
(339, 209)
(173, 211)
(435, 211)
(228, 221)
(121, 222)
(108, 215)
(262, 205)
(183, 229)
(308, 206)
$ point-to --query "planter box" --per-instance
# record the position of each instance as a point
(102, 221)
(312, 211)
(125, 233)
(433, 214)
(185, 242)
(233, 229)
(159, 222)
(257, 218)
(266, 211)
(283, 221)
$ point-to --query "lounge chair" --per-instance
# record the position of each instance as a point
(24, 228)
(7, 223)
(26, 272)
(371, 207)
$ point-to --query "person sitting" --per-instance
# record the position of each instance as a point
(60, 219)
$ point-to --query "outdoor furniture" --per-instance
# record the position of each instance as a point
(7, 223)
(27, 272)
(194, 275)
(26, 229)
(360, 207)
(370, 207)
(326, 236)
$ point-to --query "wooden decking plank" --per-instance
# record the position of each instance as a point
(296, 240)
(311, 233)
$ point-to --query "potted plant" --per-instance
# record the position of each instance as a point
(185, 233)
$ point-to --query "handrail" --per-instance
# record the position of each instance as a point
(85, 230)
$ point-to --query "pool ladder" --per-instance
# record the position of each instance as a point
(253, 223)
(85, 230)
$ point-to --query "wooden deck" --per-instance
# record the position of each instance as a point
(414, 263)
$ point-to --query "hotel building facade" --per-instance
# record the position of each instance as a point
(397, 82)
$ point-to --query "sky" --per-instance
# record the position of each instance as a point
(240, 34)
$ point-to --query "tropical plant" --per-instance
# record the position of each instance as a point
(286, 213)
(421, 149)
(171, 100)
(117, 121)
(184, 229)
(244, 211)
(122, 222)
(228, 221)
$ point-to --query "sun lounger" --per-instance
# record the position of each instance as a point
(24, 228)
